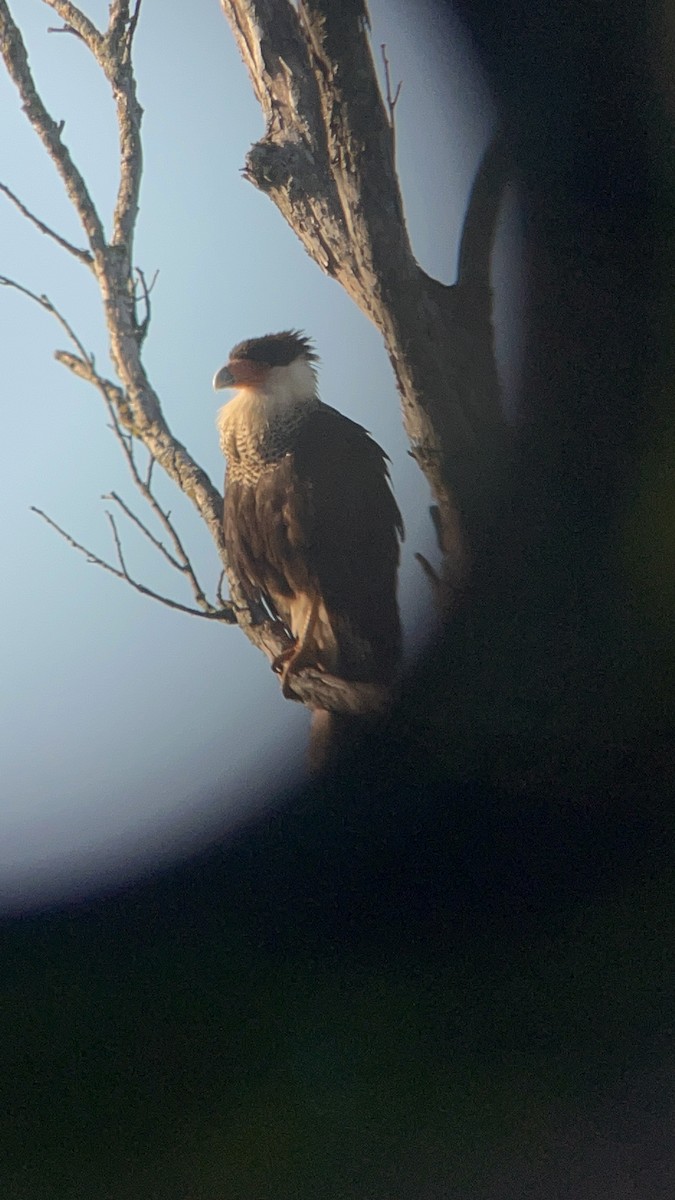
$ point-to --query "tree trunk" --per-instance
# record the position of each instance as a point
(327, 161)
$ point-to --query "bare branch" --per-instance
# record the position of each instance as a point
(76, 22)
(219, 588)
(144, 529)
(112, 52)
(119, 414)
(117, 67)
(182, 560)
(16, 61)
(83, 255)
(327, 162)
(317, 689)
(89, 554)
(333, 229)
(392, 101)
(113, 396)
(144, 288)
(134, 16)
(226, 614)
(133, 22)
(118, 545)
(119, 15)
(63, 29)
(182, 563)
(46, 303)
(84, 368)
(120, 411)
(115, 403)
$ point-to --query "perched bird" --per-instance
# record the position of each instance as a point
(310, 521)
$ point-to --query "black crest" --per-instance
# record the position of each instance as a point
(276, 349)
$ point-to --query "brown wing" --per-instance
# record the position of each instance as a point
(325, 520)
(256, 528)
(351, 525)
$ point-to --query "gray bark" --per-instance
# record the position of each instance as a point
(327, 161)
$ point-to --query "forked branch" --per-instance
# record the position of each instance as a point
(327, 162)
(215, 614)
(77, 252)
(391, 98)
(84, 367)
(132, 403)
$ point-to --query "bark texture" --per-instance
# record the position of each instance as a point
(327, 161)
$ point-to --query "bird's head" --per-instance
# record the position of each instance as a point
(277, 361)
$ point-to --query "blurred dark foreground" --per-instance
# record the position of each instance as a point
(447, 971)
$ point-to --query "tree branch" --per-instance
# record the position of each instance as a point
(182, 560)
(83, 255)
(144, 288)
(327, 162)
(392, 100)
(46, 303)
(133, 405)
(76, 21)
(16, 61)
(319, 690)
(144, 529)
(226, 615)
(133, 22)
(83, 367)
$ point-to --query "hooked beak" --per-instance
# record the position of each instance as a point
(223, 379)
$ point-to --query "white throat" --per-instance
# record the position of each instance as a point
(254, 424)
(288, 386)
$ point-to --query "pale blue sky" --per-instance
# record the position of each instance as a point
(120, 720)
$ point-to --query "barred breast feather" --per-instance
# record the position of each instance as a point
(309, 511)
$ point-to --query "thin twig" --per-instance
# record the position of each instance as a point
(144, 529)
(121, 30)
(46, 303)
(219, 589)
(113, 397)
(118, 545)
(118, 17)
(391, 100)
(145, 290)
(63, 29)
(83, 255)
(134, 407)
(84, 368)
(183, 564)
(133, 22)
(138, 405)
(77, 22)
(225, 614)
(16, 60)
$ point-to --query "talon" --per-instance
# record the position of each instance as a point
(291, 663)
(303, 653)
(286, 689)
(280, 663)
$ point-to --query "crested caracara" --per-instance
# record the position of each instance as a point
(310, 522)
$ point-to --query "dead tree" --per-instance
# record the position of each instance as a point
(327, 161)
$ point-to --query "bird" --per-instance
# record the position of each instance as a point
(310, 522)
